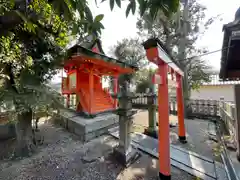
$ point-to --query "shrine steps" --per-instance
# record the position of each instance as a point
(101, 101)
(86, 128)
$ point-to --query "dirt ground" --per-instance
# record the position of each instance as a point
(64, 157)
(196, 133)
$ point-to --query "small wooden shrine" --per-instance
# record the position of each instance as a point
(86, 66)
(230, 61)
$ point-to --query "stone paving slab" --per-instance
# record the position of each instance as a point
(190, 162)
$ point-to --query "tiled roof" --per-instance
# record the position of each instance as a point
(215, 80)
(85, 47)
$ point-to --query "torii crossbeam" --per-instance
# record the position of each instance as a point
(157, 54)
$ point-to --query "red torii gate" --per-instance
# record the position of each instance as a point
(155, 53)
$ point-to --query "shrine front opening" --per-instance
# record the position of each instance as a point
(157, 54)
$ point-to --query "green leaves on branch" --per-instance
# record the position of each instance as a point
(94, 27)
(152, 6)
(99, 18)
(142, 6)
(87, 23)
(112, 3)
(131, 7)
(118, 3)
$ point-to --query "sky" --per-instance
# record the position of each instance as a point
(117, 26)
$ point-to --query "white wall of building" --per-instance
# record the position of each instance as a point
(214, 92)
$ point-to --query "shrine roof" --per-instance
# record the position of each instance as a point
(231, 32)
(86, 48)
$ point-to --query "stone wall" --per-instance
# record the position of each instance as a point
(7, 130)
(86, 128)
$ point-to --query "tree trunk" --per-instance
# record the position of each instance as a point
(24, 134)
(186, 95)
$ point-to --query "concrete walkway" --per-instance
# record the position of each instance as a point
(188, 161)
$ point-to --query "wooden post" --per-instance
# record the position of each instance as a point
(91, 91)
(115, 89)
(163, 124)
(180, 110)
(237, 125)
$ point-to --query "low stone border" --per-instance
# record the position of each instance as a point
(7, 131)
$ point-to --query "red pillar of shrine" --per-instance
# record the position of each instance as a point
(91, 90)
(180, 109)
(163, 124)
(115, 89)
(68, 95)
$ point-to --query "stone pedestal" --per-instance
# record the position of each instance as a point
(124, 152)
(86, 128)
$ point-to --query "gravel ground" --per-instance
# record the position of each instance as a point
(64, 157)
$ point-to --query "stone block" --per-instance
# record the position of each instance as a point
(7, 131)
(126, 158)
(86, 128)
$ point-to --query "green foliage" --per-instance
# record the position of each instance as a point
(168, 30)
(32, 46)
(143, 85)
(132, 52)
(143, 80)
(167, 6)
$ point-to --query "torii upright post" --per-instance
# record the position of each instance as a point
(163, 124)
(156, 54)
(180, 110)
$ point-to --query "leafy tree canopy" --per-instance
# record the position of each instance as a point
(132, 52)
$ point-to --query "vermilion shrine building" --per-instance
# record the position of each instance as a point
(85, 68)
